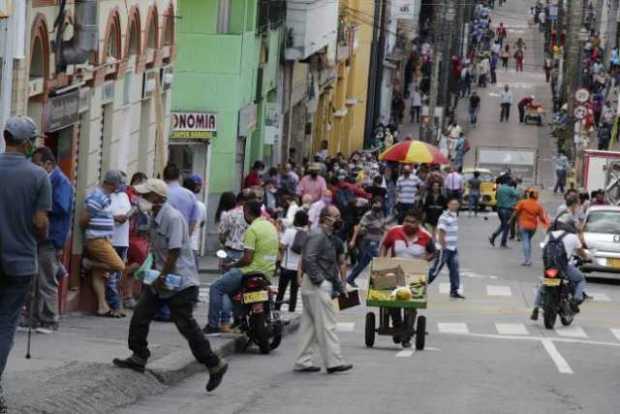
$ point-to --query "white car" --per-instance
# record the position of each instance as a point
(602, 235)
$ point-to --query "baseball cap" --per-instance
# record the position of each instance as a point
(21, 128)
(153, 185)
(196, 179)
(114, 177)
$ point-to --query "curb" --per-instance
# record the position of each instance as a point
(95, 388)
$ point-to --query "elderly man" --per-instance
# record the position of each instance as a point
(322, 269)
(172, 252)
(25, 200)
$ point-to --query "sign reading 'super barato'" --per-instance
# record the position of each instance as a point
(194, 125)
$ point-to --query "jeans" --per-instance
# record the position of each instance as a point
(474, 200)
(560, 181)
(287, 276)
(504, 225)
(369, 250)
(574, 275)
(526, 241)
(181, 312)
(505, 112)
(451, 259)
(112, 295)
(473, 116)
(228, 284)
(13, 291)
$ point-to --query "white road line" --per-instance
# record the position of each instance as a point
(571, 332)
(599, 297)
(444, 288)
(511, 329)
(345, 326)
(556, 357)
(540, 338)
(405, 353)
(453, 328)
(499, 290)
(616, 333)
(493, 277)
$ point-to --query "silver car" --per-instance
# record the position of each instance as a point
(602, 235)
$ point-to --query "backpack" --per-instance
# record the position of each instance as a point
(344, 197)
(299, 242)
(554, 253)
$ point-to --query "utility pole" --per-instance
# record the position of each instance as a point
(429, 126)
(447, 46)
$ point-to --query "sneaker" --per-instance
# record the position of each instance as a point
(134, 363)
(216, 375)
(534, 315)
(210, 330)
(492, 241)
(457, 295)
(339, 368)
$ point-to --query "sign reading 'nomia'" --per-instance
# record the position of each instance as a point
(194, 125)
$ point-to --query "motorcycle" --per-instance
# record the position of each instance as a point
(254, 310)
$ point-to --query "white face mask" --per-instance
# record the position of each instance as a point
(145, 205)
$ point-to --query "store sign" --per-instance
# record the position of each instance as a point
(194, 125)
(63, 110)
(247, 120)
(403, 9)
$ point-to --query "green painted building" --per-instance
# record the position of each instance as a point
(225, 100)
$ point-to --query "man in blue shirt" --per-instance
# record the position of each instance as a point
(507, 197)
(25, 199)
(44, 312)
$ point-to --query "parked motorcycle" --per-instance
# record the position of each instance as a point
(254, 310)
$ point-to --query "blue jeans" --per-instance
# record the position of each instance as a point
(13, 291)
(369, 250)
(112, 295)
(473, 115)
(228, 284)
(526, 242)
(504, 225)
(474, 201)
(574, 275)
(451, 259)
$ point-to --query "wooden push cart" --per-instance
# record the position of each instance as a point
(408, 325)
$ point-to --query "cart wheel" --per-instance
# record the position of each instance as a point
(370, 329)
(420, 333)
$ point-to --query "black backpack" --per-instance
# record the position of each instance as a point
(554, 253)
(299, 242)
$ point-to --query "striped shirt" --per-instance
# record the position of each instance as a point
(407, 188)
(101, 224)
(449, 223)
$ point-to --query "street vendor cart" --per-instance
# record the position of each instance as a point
(390, 281)
(534, 112)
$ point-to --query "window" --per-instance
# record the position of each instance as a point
(603, 221)
(223, 16)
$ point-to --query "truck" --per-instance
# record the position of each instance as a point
(601, 171)
(521, 161)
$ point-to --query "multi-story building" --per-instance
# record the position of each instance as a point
(96, 77)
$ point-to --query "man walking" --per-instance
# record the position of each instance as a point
(474, 108)
(505, 104)
(407, 187)
(172, 253)
(507, 197)
(321, 270)
(448, 227)
(25, 200)
(454, 184)
(44, 308)
(561, 171)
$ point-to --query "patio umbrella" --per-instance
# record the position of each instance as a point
(414, 152)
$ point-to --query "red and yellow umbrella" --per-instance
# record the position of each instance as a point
(414, 152)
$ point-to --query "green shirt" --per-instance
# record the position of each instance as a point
(262, 238)
(507, 196)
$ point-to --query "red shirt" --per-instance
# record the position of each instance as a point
(398, 244)
(252, 180)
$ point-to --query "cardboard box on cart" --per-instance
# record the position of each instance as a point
(413, 268)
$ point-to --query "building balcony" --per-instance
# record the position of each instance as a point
(311, 26)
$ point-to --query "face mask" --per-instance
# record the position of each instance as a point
(145, 205)
(314, 174)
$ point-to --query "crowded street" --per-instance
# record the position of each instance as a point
(342, 251)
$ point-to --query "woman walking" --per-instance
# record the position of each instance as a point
(529, 213)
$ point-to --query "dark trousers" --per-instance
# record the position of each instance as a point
(451, 259)
(13, 291)
(286, 277)
(181, 313)
(505, 112)
(521, 113)
(415, 113)
(560, 180)
(403, 208)
(504, 215)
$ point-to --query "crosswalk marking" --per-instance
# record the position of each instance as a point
(405, 353)
(444, 288)
(499, 290)
(616, 333)
(599, 297)
(511, 329)
(345, 326)
(571, 332)
(454, 328)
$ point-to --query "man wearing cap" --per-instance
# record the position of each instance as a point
(172, 253)
(312, 184)
(97, 221)
(25, 199)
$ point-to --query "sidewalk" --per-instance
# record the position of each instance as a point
(71, 370)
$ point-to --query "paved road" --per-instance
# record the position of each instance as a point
(483, 354)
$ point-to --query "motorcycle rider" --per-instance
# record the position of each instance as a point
(564, 226)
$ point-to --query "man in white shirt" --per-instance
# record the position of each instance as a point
(505, 103)
(194, 184)
(120, 207)
(454, 184)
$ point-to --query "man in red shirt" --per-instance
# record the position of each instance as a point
(254, 177)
